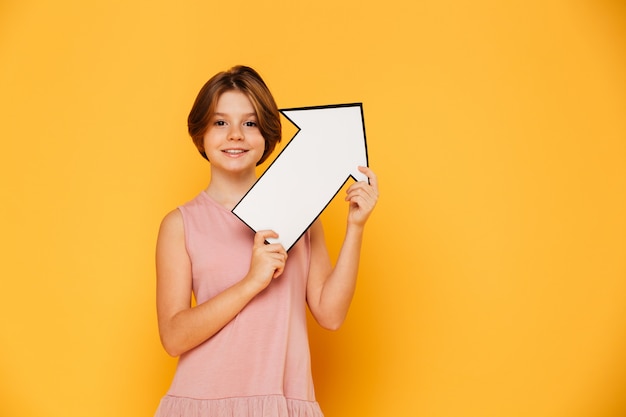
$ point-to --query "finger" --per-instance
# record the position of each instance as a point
(278, 272)
(373, 179)
(279, 265)
(361, 203)
(361, 189)
(362, 185)
(276, 252)
(262, 235)
(362, 198)
(276, 248)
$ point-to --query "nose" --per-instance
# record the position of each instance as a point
(235, 133)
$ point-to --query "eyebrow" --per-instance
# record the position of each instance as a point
(224, 114)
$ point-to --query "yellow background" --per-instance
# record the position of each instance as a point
(494, 271)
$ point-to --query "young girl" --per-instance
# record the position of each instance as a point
(243, 347)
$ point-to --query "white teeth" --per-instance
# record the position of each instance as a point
(234, 151)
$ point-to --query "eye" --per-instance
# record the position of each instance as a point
(250, 124)
(220, 123)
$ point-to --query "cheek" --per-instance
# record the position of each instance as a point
(261, 147)
(208, 139)
(259, 141)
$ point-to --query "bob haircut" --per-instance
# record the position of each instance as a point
(249, 82)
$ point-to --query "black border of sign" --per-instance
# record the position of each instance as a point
(328, 106)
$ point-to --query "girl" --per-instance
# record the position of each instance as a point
(243, 347)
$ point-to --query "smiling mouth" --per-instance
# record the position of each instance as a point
(234, 151)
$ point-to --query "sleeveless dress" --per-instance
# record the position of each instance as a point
(258, 365)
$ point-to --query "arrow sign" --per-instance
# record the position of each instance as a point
(295, 189)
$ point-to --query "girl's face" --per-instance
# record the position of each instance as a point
(233, 141)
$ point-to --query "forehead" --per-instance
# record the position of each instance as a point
(234, 101)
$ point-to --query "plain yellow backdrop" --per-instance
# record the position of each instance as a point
(494, 269)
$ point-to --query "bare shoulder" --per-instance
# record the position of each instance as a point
(171, 231)
(171, 253)
(172, 222)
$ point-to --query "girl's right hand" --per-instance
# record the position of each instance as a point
(268, 260)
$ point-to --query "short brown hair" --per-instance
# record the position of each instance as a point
(249, 82)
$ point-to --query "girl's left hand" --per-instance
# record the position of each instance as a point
(362, 198)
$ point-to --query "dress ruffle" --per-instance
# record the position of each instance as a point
(260, 406)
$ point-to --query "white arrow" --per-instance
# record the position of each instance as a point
(295, 189)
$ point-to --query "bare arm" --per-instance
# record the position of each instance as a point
(182, 327)
(330, 290)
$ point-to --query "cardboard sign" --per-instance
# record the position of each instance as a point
(325, 152)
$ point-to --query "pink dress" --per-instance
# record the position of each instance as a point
(258, 365)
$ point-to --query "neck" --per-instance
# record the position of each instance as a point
(229, 190)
